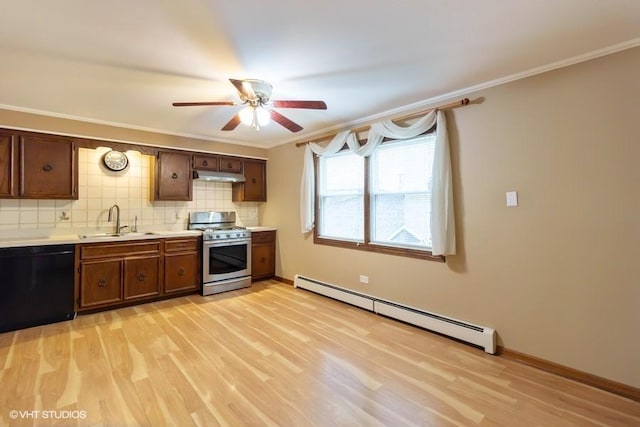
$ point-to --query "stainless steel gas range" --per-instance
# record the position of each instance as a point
(226, 251)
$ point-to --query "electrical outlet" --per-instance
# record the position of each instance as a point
(364, 279)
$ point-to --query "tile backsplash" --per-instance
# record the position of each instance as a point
(100, 188)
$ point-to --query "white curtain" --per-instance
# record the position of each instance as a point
(442, 220)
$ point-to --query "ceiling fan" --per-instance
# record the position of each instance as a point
(256, 94)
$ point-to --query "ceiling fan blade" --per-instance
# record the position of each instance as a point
(287, 123)
(233, 123)
(196, 104)
(312, 105)
(244, 88)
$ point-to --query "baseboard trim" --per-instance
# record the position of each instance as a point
(611, 386)
(283, 280)
(605, 384)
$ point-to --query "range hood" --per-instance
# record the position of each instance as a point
(218, 176)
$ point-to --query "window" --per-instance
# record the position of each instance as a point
(381, 203)
(341, 197)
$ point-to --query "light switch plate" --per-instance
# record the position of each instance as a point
(512, 199)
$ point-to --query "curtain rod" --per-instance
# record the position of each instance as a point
(460, 103)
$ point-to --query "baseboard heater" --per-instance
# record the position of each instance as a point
(473, 334)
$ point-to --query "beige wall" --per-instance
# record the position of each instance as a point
(559, 276)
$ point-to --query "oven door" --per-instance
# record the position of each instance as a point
(225, 260)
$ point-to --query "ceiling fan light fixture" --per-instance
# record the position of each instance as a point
(246, 115)
(254, 116)
(263, 116)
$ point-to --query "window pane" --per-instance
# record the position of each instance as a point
(343, 218)
(403, 167)
(401, 193)
(341, 197)
(401, 219)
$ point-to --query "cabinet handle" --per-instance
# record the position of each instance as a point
(102, 283)
(47, 168)
(141, 277)
(229, 165)
(205, 163)
(253, 180)
(181, 272)
(174, 176)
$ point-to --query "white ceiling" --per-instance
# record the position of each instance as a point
(124, 62)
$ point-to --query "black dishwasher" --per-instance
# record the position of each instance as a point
(36, 285)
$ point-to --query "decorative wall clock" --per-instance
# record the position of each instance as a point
(115, 160)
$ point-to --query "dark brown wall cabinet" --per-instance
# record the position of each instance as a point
(205, 162)
(8, 166)
(173, 177)
(116, 273)
(34, 166)
(254, 189)
(263, 255)
(230, 164)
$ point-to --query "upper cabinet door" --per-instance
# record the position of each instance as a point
(204, 162)
(230, 164)
(8, 170)
(48, 168)
(173, 176)
(254, 189)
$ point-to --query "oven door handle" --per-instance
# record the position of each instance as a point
(233, 242)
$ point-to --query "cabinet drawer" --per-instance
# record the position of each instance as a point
(119, 249)
(263, 236)
(181, 245)
(228, 164)
(209, 163)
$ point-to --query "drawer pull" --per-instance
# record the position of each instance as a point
(102, 283)
(141, 277)
(47, 168)
(181, 272)
(229, 165)
(205, 163)
(174, 176)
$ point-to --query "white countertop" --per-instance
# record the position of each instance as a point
(261, 228)
(36, 238)
(62, 239)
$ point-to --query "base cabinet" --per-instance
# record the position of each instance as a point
(263, 255)
(181, 265)
(101, 282)
(117, 273)
(142, 277)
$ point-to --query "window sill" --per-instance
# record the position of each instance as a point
(378, 248)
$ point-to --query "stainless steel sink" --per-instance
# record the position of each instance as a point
(112, 235)
(97, 235)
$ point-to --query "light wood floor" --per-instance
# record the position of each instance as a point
(274, 355)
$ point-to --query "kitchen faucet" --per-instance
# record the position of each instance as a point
(117, 232)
